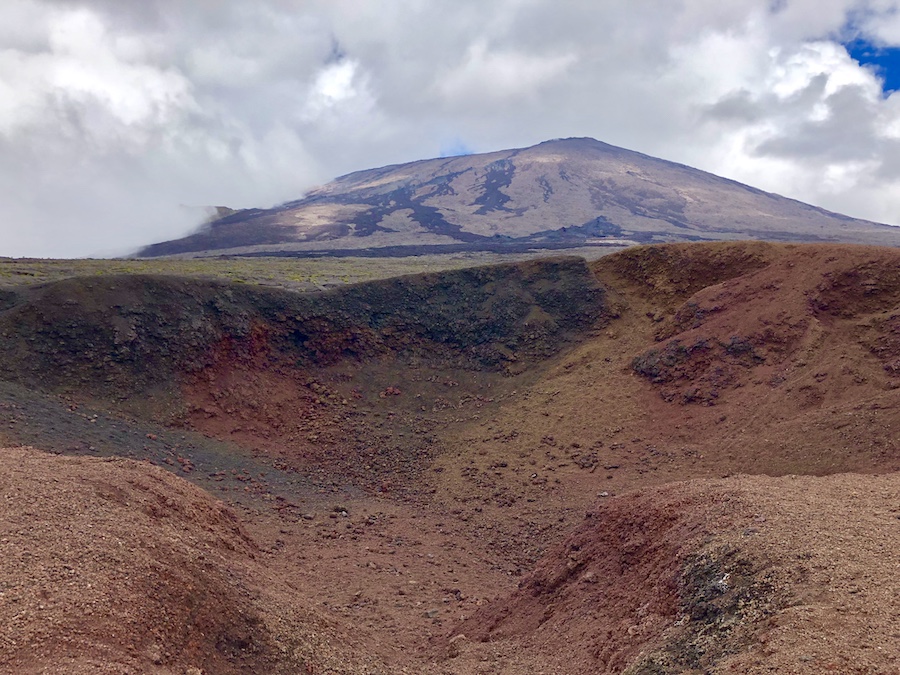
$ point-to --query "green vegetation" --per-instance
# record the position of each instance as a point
(298, 274)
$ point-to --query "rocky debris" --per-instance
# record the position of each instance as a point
(692, 577)
(769, 318)
(697, 372)
(118, 566)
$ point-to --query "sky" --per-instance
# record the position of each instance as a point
(122, 121)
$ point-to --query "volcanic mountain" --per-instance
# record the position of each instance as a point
(558, 194)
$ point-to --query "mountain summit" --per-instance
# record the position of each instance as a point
(557, 194)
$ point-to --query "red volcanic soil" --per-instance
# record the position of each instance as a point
(695, 474)
(117, 566)
(748, 574)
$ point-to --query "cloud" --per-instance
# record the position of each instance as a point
(487, 73)
(336, 92)
(816, 127)
(115, 115)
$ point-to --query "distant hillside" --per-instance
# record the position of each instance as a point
(557, 194)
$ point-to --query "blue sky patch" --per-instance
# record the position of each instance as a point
(884, 60)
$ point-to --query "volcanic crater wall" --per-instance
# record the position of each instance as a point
(118, 335)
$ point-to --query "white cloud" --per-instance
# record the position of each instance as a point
(494, 74)
(880, 21)
(334, 88)
(113, 114)
(797, 118)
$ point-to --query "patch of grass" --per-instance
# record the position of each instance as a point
(297, 274)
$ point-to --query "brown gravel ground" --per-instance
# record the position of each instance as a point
(747, 574)
(117, 566)
(442, 529)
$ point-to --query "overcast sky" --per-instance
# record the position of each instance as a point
(121, 119)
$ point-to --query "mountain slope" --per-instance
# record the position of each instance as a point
(559, 193)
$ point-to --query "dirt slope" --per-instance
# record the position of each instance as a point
(747, 574)
(724, 358)
(115, 566)
(415, 458)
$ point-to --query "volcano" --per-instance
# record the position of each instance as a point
(558, 194)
